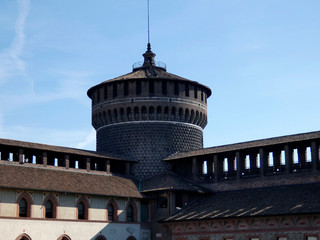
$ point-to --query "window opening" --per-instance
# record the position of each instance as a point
(164, 87)
(195, 92)
(151, 87)
(129, 213)
(247, 162)
(23, 207)
(204, 168)
(81, 209)
(114, 90)
(270, 159)
(176, 88)
(126, 88)
(110, 212)
(138, 87)
(49, 209)
(105, 92)
(98, 95)
(295, 156)
(187, 89)
(308, 155)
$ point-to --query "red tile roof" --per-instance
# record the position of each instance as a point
(33, 177)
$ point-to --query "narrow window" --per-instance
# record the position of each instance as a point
(98, 95)
(115, 90)
(176, 88)
(126, 88)
(110, 213)
(187, 89)
(81, 209)
(164, 87)
(49, 209)
(138, 87)
(130, 214)
(23, 208)
(151, 87)
(195, 92)
(201, 95)
(105, 92)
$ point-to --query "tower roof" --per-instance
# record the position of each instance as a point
(149, 69)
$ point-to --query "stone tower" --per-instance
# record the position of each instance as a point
(149, 114)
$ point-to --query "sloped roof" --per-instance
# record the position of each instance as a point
(170, 181)
(65, 150)
(245, 145)
(28, 177)
(293, 199)
(149, 73)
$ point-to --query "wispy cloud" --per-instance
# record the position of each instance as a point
(10, 59)
(89, 141)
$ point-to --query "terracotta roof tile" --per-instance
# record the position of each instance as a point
(245, 145)
(70, 181)
(284, 200)
(66, 150)
(170, 181)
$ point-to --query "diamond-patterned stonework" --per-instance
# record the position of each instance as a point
(149, 143)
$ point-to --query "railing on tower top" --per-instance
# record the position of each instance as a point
(157, 64)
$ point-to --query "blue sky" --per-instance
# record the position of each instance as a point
(260, 58)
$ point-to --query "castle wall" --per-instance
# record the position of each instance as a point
(52, 230)
(149, 142)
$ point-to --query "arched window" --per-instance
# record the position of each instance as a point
(129, 113)
(64, 237)
(131, 238)
(110, 212)
(23, 208)
(50, 206)
(136, 113)
(151, 113)
(49, 209)
(100, 237)
(23, 237)
(24, 202)
(82, 208)
(112, 209)
(144, 113)
(131, 212)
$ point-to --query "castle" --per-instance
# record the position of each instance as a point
(151, 178)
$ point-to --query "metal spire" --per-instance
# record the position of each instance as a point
(149, 45)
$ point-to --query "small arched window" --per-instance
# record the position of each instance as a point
(81, 209)
(100, 237)
(24, 202)
(50, 204)
(64, 237)
(131, 212)
(112, 209)
(49, 209)
(23, 237)
(23, 208)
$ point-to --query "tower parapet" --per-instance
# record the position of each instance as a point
(149, 114)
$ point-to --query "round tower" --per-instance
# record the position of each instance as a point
(149, 114)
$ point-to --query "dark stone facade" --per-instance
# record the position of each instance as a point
(148, 115)
(149, 142)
